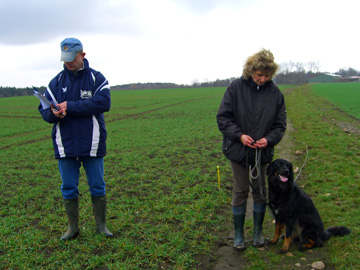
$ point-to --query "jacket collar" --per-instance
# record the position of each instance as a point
(256, 87)
(80, 71)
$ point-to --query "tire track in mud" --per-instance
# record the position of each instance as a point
(25, 133)
(152, 110)
(110, 120)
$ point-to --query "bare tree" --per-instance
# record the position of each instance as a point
(299, 67)
(285, 67)
(313, 66)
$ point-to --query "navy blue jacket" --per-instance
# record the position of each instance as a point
(81, 133)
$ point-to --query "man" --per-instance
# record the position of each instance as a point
(79, 134)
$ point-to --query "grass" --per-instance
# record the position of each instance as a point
(164, 205)
(331, 175)
(345, 96)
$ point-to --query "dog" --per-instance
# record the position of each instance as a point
(294, 210)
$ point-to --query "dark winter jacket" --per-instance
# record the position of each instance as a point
(257, 111)
(81, 133)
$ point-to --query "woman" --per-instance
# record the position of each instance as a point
(252, 118)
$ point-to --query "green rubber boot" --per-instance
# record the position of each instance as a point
(258, 218)
(99, 208)
(239, 243)
(239, 220)
(72, 212)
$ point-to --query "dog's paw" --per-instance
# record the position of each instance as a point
(283, 250)
(302, 248)
(272, 242)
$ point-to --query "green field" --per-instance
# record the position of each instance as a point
(164, 205)
(345, 96)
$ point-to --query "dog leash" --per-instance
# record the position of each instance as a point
(306, 158)
(257, 169)
(257, 166)
(303, 165)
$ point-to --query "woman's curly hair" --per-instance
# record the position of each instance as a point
(260, 61)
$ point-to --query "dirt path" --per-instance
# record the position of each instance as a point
(230, 259)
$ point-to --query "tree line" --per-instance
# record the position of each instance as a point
(289, 73)
(17, 92)
(299, 73)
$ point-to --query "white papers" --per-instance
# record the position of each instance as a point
(45, 103)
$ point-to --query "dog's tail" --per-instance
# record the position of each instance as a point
(336, 231)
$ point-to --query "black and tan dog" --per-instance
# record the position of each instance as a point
(293, 209)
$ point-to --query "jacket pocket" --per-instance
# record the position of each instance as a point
(234, 150)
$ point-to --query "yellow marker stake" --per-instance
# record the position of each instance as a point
(218, 174)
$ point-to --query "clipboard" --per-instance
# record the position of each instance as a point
(45, 103)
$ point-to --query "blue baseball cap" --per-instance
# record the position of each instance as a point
(69, 49)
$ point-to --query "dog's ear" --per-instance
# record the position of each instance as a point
(290, 166)
(269, 169)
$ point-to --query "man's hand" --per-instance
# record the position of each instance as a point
(60, 113)
(63, 106)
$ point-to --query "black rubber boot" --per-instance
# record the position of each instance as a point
(72, 212)
(239, 243)
(99, 208)
(258, 218)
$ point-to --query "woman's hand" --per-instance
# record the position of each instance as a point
(262, 143)
(247, 141)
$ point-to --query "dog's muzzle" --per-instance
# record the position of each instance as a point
(283, 177)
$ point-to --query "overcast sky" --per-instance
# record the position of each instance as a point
(179, 41)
